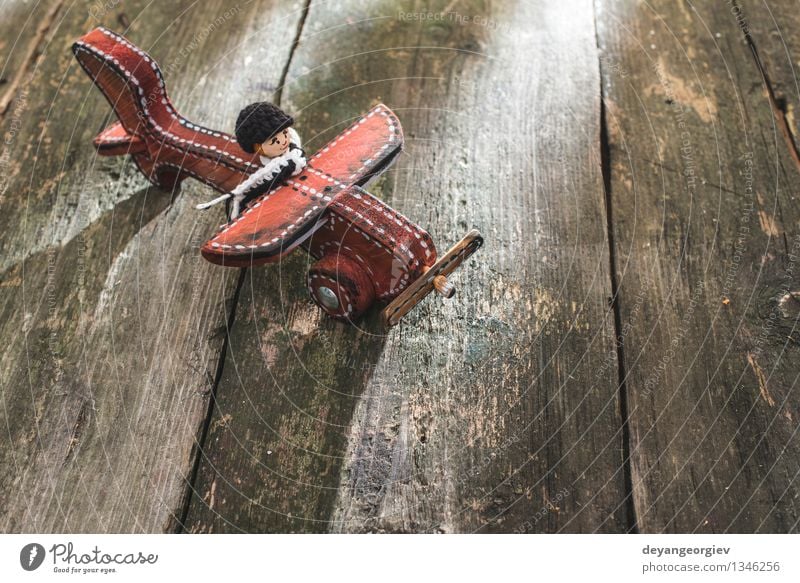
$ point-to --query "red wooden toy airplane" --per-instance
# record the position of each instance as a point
(365, 250)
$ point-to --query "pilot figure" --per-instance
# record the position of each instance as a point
(263, 128)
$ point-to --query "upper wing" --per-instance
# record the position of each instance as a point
(281, 219)
(364, 149)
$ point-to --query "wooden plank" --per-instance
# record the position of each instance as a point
(113, 323)
(773, 36)
(705, 218)
(23, 31)
(497, 411)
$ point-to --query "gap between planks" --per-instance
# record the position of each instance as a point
(778, 110)
(180, 523)
(605, 165)
(779, 113)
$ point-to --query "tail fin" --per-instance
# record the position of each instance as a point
(166, 146)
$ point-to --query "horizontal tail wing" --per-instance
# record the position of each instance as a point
(363, 150)
(116, 141)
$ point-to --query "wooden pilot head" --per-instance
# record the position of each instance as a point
(263, 128)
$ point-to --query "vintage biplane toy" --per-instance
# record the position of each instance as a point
(364, 250)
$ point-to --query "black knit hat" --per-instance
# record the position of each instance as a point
(258, 122)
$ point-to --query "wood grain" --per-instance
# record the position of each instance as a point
(23, 40)
(705, 218)
(771, 32)
(113, 323)
(496, 411)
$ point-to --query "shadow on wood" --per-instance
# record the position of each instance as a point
(58, 304)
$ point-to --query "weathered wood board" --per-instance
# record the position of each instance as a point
(23, 39)
(113, 324)
(497, 411)
(705, 226)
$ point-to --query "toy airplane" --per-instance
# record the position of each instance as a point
(364, 250)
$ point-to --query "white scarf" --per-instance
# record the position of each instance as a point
(270, 169)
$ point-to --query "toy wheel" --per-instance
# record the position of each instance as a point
(340, 287)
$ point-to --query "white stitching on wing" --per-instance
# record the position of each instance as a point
(314, 193)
